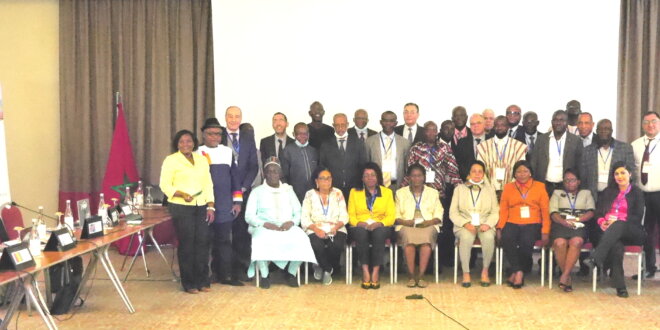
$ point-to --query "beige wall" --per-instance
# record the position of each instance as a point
(29, 74)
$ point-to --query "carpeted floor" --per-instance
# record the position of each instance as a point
(160, 304)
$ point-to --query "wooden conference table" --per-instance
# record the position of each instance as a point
(25, 283)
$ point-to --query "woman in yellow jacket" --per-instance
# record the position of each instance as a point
(371, 215)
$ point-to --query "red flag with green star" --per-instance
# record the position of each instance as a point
(121, 170)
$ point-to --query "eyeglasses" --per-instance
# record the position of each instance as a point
(512, 112)
(325, 178)
(570, 180)
(652, 121)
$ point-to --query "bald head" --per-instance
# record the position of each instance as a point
(361, 118)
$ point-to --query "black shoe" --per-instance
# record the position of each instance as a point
(231, 281)
(264, 283)
(292, 281)
(466, 284)
(623, 293)
(241, 276)
(647, 274)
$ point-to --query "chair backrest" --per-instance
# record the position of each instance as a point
(11, 217)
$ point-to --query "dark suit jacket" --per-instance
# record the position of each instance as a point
(621, 152)
(248, 166)
(345, 168)
(464, 153)
(267, 146)
(540, 158)
(419, 136)
(370, 132)
(635, 200)
(520, 134)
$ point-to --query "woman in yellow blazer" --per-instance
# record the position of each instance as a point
(185, 179)
(418, 218)
(371, 215)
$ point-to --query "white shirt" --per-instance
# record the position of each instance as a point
(345, 137)
(528, 139)
(556, 148)
(481, 138)
(604, 163)
(277, 138)
(362, 130)
(654, 160)
(586, 141)
(383, 141)
(238, 135)
(406, 131)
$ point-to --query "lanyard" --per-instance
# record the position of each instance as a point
(432, 157)
(524, 196)
(417, 202)
(558, 142)
(325, 208)
(383, 143)
(571, 203)
(497, 150)
(608, 155)
(474, 201)
(620, 198)
(371, 200)
(649, 144)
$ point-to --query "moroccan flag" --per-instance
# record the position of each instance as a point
(120, 172)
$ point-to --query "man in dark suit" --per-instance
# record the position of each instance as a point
(318, 131)
(273, 145)
(361, 119)
(466, 148)
(411, 130)
(513, 115)
(389, 151)
(244, 151)
(530, 124)
(555, 152)
(585, 127)
(446, 134)
(459, 117)
(573, 111)
(344, 155)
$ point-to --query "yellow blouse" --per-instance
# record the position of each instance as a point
(177, 173)
(383, 209)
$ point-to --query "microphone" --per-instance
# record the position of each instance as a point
(9, 205)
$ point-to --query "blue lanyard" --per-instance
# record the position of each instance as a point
(558, 142)
(383, 143)
(524, 196)
(432, 157)
(371, 200)
(608, 155)
(474, 201)
(325, 208)
(501, 156)
(417, 202)
(571, 203)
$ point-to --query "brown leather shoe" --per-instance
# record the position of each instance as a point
(192, 291)
(205, 289)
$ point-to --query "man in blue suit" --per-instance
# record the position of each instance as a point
(244, 151)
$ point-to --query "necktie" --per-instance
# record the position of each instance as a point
(279, 147)
(387, 176)
(410, 136)
(341, 146)
(475, 147)
(478, 140)
(511, 132)
(362, 136)
(234, 142)
(531, 143)
(645, 159)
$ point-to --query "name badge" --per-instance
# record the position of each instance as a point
(499, 173)
(418, 221)
(612, 217)
(524, 212)
(326, 227)
(603, 177)
(389, 166)
(570, 217)
(370, 221)
(475, 219)
(646, 167)
(430, 176)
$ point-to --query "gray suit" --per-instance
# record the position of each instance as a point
(373, 146)
(621, 152)
(540, 158)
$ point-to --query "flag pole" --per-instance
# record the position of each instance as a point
(115, 111)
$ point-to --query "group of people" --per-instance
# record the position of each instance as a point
(494, 181)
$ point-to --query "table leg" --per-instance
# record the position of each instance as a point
(17, 295)
(93, 262)
(37, 302)
(105, 261)
(150, 232)
(130, 245)
(130, 266)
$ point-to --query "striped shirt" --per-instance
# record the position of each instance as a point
(438, 158)
(500, 154)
